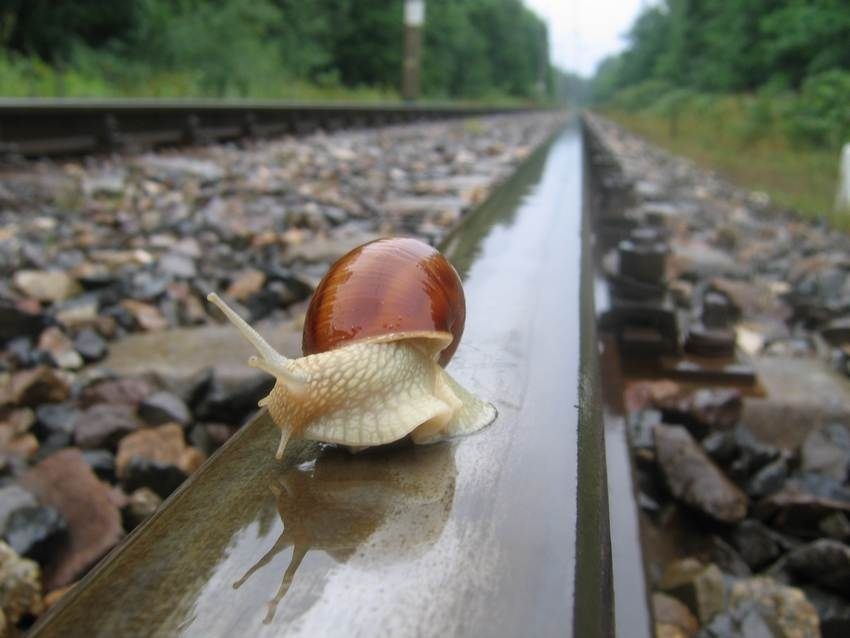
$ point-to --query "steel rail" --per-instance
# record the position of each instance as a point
(503, 533)
(35, 127)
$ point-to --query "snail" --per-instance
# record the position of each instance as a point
(381, 324)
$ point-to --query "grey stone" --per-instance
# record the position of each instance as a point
(827, 451)
(176, 355)
(727, 559)
(31, 531)
(233, 402)
(787, 607)
(174, 169)
(15, 322)
(46, 285)
(835, 526)
(103, 425)
(55, 418)
(164, 407)
(694, 479)
(698, 586)
(141, 505)
(833, 611)
(13, 498)
(178, 265)
(20, 585)
(669, 612)
(823, 562)
(102, 463)
(744, 621)
(758, 545)
(768, 479)
(90, 345)
(162, 478)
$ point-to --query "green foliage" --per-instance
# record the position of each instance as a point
(821, 114)
(479, 49)
(642, 95)
(803, 178)
(790, 57)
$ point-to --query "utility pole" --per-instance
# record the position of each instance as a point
(414, 18)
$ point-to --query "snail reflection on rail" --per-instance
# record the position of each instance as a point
(338, 504)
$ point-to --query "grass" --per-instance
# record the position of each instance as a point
(22, 77)
(757, 156)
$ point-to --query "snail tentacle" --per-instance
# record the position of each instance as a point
(285, 433)
(272, 361)
(280, 371)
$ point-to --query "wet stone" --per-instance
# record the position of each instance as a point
(191, 389)
(162, 478)
(90, 345)
(49, 286)
(141, 505)
(757, 544)
(126, 391)
(823, 562)
(751, 455)
(147, 316)
(36, 386)
(157, 458)
(178, 265)
(698, 586)
(164, 407)
(694, 479)
(702, 411)
(60, 348)
(788, 607)
(23, 351)
(103, 425)
(672, 616)
(727, 559)
(234, 402)
(31, 531)
(15, 322)
(246, 284)
(17, 420)
(54, 418)
(744, 621)
(833, 611)
(803, 502)
(102, 463)
(768, 479)
(20, 585)
(65, 482)
(13, 498)
(827, 451)
(835, 526)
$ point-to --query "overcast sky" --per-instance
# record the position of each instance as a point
(582, 32)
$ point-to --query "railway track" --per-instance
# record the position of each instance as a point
(36, 128)
(325, 543)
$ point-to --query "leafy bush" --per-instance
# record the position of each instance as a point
(821, 113)
(641, 96)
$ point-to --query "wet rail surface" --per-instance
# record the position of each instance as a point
(475, 537)
(37, 127)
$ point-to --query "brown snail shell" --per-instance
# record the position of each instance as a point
(382, 322)
(388, 286)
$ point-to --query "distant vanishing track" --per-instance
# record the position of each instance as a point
(37, 127)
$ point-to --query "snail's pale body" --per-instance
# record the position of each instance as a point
(372, 388)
